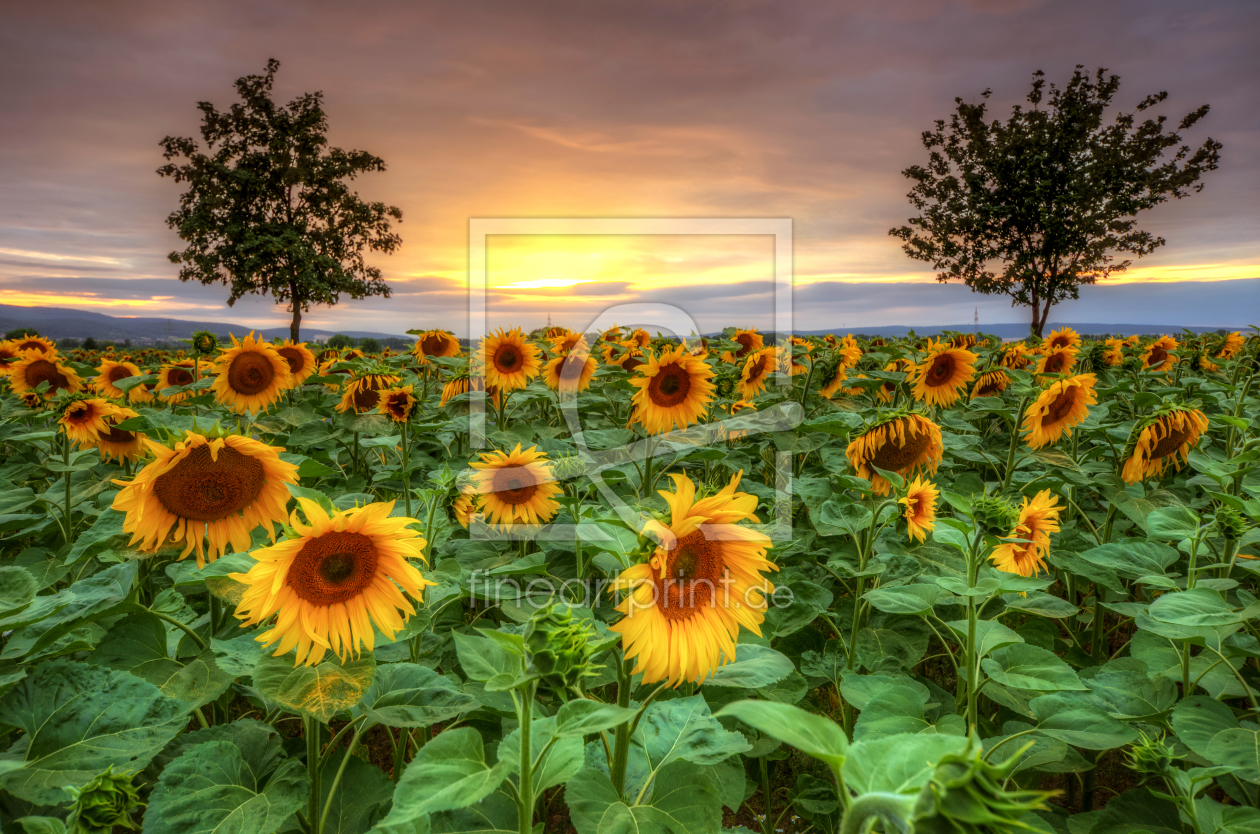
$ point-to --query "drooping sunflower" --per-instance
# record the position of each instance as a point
(1038, 518)
(750, 341)
(1064, 337)
(943, 374)
(849, 351)
(1058, 409)
(1056, 362)
(32, 400)
(904, 443)
(110, 372)
(24, 343)
(675, 388)
(142, 393)
(1114, 353)
(8, 355)
(1159, 355)
(250, 376)
(326, 370)
(398, 404)
(465, 508)
(35, 367)
(1164, 439)
(173, 376)
(516, 487)
(787, 357)
(363, 392)
(706, 579)
(834, 377)
(220, 488)
(565, 341)
(119, 444)
(84, 420)
(457, 386)
(920, 508)
(1015, 357)
(1233, 343)
(301, 361)
(640, 337)
(571, 372)
(990, 384)
(888, 391)
(340, 575)
(757, 370)
(434, 343)
(509, 360)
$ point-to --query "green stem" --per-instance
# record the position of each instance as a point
(65, 456)
(312, 728)
(1010, 452)
(196, 638)
(766, 824)
(525, 801)
(341, 769)
(406, 473)
(621, 746)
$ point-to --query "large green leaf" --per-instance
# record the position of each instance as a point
(581, 717)
(684, 800)
(1132, 559)
(410, 695)
(321, 691)
(1196, 607)
(138, 644)
(683, 728)
(1073, 720)
(815, 735)
(362, 799)
(17, 589)
(753, 668)
(1023, 666)
(1129, 693)
(1238, 748)
(904, 599)
(990, 635)
(79, 719)
(1172, 524)
(1197, 720)
(562, 759)
(211, 789)
(99, 595)
(892, 711)
(897, 764)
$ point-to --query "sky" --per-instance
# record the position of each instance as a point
(571, 109)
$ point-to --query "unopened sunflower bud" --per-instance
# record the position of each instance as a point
(966, 796)
(1150, 756)
(559, 648)
(568, 466)
(725, 386)
(107, 801)
(1230, 522)
(204, 343)
(994, 515)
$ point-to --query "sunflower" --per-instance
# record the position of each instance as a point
(363, 392)
(221, 488)
(1202, 362)
(516, 487)
(434, 343)
(943, 374)
(571, 372)
(33, 342)
(457, 386)
(398, 404)
(787, 357)
(465, 507)
(175, 376)
(251, 376)
(849, 351)
(835, 379)
(565, 341)
(990, 384)
(32, 400)
(674, 390)
(301, 361)
(1015, 357)
(920, 508)
(1158, 355)
(118, 444)
(750, 341)
(110, 372)
(1114, 353)
(326, 370)
(1064, 337)
(640, 337)
(1057, 362)
(902, 443)
(706, 578)
(142, 393)
(1038, 518)
(509, 360)
(757, 370)
(888, 391)
(1231, 346)
(1062, 406)
(36, 367)
(8, 355)
(333, 581)
(84, 420)
(1165, 439)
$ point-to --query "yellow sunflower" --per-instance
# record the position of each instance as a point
(250, 376)
(1015, 357)
(706, 579)
(640, 337)
(217, 488)
(118, 444)
(1057, 362)
(434, 343)
(38, 366)
(457, 386)
(1165, 439)
(363, 392)
(941, 377)
(903, 443)
(8, 355)
(787, 358)
(465, 508)
(1061, 407)
(142, 393)
(340, 575)
(509, 360)
(172, 376)
(849, 351)
(1113, 355)
(110, 372)
(84, 420)
(571, 372)
(888, 391)
(675, 388)
(326, 370)
(920, 508)
(516, 487)
(1158, 355)
(990, 384)
(1231, 346)
(301, 361)
(565, 341)
(1038, 518)
(750, 341)
(25, 343)
(1064, 337)
(837, 377)
(757, 370)
(398, 404)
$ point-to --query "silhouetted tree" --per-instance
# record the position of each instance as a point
(340, 341)
(370, 345)
(268, 209)
(1034, 207)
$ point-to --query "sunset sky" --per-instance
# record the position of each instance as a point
(777, 109)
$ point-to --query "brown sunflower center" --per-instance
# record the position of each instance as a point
(631, 362)
(746, 340)
(990, 386)
(507, 359)
(1157, 357)
(117, 435)
(670, 386)
(514, 485)
(333, 568)
(118, 372)
(695, 575)
(896, 458)
(202, 489)
(368, 394)
(758, 369)
(41, 370)
(30, 344)
(1172, 441)
(294, 357)
(1062, 406)
(179, 376)
(941, 371)
(1055, 362)
(250, 373)
(432, 345)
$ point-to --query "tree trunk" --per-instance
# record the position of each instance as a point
(1036, 315)
(1045, 314)
(296, 325)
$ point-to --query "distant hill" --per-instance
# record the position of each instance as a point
(1019, 331)
(61, 323)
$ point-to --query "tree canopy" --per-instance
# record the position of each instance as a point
(1036, 206)
(267, 207)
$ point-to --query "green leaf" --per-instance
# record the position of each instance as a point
(321, 691)
(814, 735)
(1131, 694)
(17, 589)
(362, 799)
(990, 635)
(449, 772)
(107, 526)
(905, 599)
(1043, 605)
(1238, 748)
(1172, 524)
(582, 716)
(1028, 667)
(1197, 720)
(754, 667)
(684, 800)
(83, 602)
(897, 764)
(683, 728)
(42, 825)
(891, 711)
(1132, 558)
(240, 655)
(410, 695)
(210, 790)
(138, 644)
(79, 719)
(562, 760)
(481, 658)
(1075, 721)
(1195, 607)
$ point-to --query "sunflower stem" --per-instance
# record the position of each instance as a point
(525, 800)
(767, 826)
(1010, 452)
(341, 769)
(65, 456)
(312, 727)
(406, 473)
(621, 747)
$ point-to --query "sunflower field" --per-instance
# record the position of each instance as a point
(612, 582)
